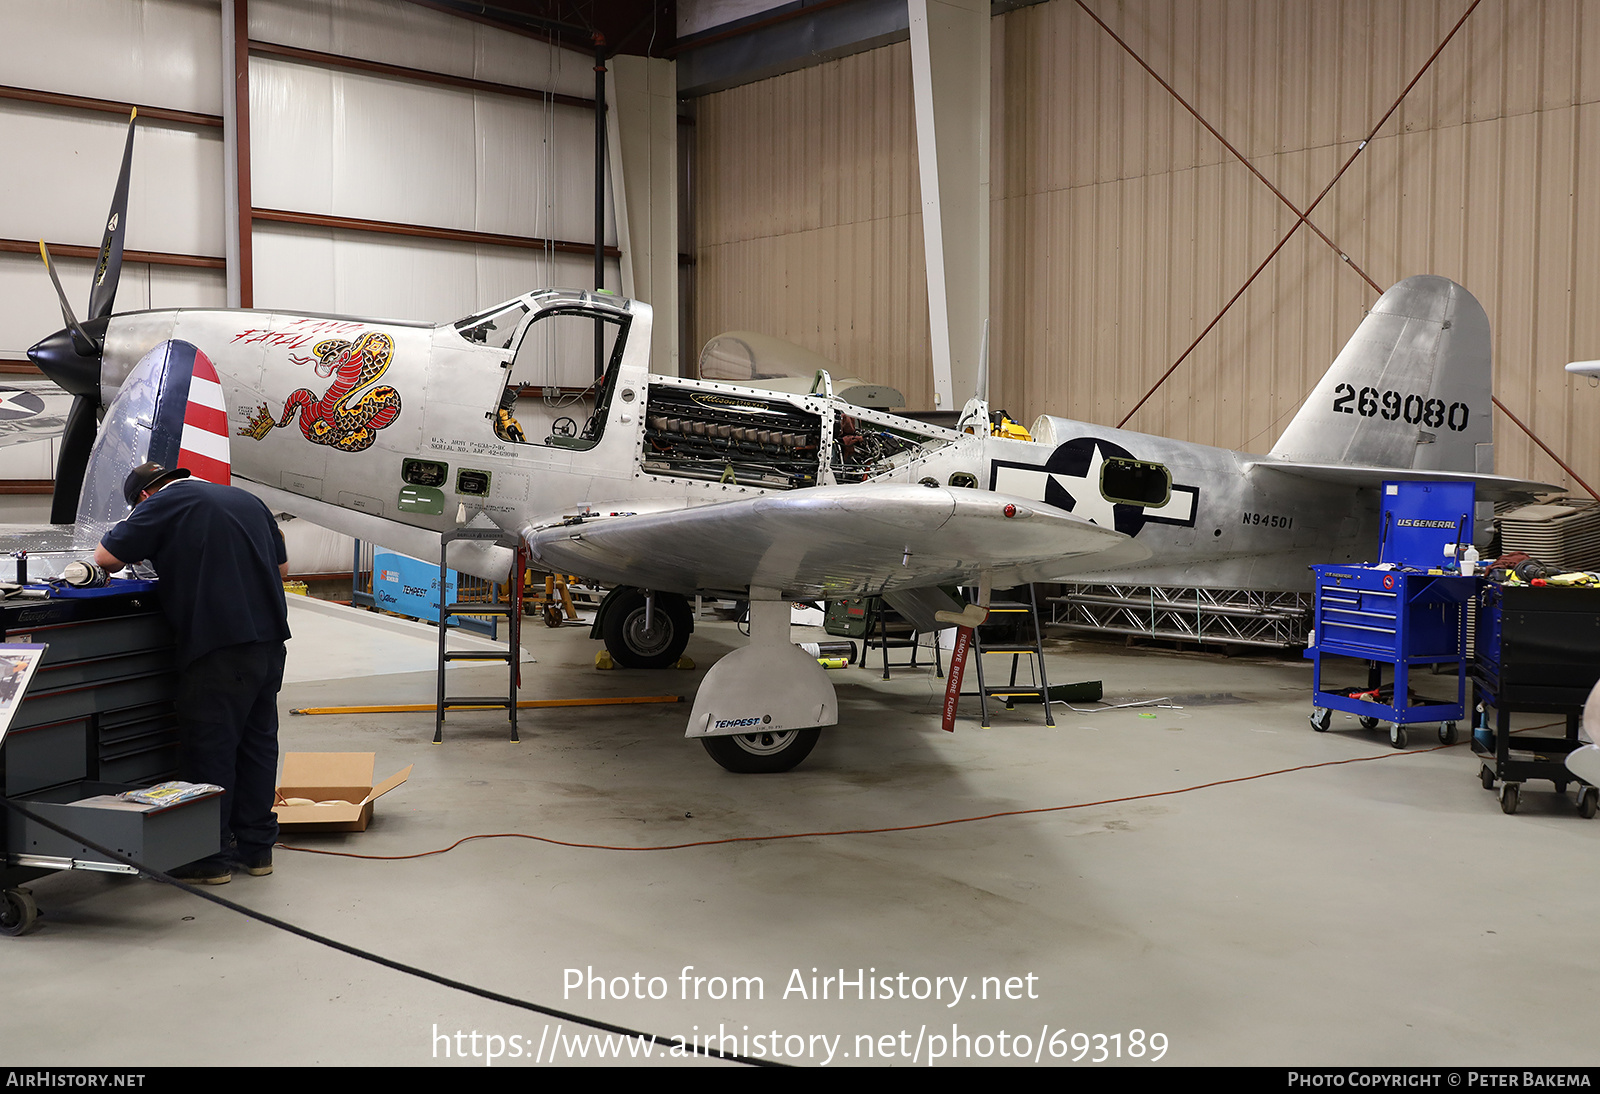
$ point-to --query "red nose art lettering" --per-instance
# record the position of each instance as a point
(332, 419)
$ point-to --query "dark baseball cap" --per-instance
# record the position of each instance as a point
(149, 476)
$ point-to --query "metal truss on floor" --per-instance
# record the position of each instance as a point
(1244, 617)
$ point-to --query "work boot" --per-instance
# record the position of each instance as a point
(206, 871)
(257, 864)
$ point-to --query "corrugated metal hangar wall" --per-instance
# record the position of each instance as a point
(1120, 228)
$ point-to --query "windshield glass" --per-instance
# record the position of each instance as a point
(494, 327)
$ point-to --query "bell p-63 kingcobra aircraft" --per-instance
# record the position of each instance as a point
(665, 487)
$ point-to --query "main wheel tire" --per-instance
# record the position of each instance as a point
(18, 912)
(762, 753)
(631, 645)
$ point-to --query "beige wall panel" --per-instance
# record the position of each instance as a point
(1586, 32)
(1554, 225)
(809, 228)
(1516, 292)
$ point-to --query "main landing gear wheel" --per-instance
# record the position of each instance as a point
(1397, 735)
(18, 912)
(1368, 723)
(1447, 733)
(764, 753)
(1321, 719)
(632, 644)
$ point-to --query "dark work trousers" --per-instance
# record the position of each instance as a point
(228, 726)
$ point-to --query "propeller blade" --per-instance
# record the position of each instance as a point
(108, 268)
(87, 345)
(76, 445)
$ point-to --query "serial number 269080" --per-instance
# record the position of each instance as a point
(1369, 402)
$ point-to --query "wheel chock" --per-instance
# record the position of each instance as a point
(602, 660)
(685, 662)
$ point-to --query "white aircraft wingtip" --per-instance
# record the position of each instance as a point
(1585, 763)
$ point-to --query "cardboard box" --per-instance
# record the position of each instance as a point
(341, 777)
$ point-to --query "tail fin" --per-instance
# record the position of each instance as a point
(1411, 389)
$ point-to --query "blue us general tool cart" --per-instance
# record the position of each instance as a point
(1420, 519)
(1537, 650)
(1395, 618)
(1399, 614)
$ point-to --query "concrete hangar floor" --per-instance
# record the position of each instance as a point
(1380, 912)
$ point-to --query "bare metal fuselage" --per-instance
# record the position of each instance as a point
(1221, 526)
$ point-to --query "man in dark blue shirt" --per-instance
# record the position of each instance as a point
(221, 562)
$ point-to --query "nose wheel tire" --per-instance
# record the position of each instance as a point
(762, 753)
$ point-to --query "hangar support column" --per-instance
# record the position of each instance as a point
(644, 160)
(950, 85)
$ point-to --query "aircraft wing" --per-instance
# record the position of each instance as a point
(833, 541)
(32, 410)
(1489, 487)
(481, 559)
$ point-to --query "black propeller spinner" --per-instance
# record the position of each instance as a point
(71, 356)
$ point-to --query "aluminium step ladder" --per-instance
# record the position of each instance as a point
(511, 655)
(1022, 619)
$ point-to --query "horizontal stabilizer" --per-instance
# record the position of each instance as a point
(1489, 487)
(833, 541)
(32, 410)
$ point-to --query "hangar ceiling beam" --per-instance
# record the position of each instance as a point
(950, 90)
(152, 258)
(420, 75)
(425, 231)
(109, 106)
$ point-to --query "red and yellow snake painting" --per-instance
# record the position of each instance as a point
(331, 420)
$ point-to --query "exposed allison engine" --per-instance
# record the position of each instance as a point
(731, 438)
